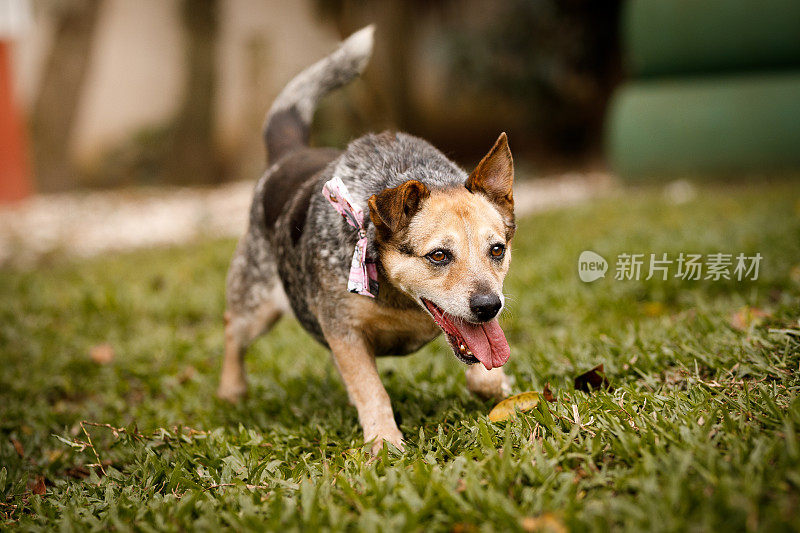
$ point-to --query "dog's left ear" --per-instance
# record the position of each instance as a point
(392, 209)
(494, 178)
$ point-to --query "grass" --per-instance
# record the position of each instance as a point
(699, 433)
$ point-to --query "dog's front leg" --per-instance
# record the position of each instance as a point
(488, 384)
(356, 363)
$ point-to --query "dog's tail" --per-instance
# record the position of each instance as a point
(289, 119)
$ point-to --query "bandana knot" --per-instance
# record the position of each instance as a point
(363, 277)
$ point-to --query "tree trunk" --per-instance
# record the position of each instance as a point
(193, 158)
(59, 94)
(401, 36)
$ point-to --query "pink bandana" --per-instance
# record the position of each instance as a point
(363, 272)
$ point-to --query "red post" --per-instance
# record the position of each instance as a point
(15, 178)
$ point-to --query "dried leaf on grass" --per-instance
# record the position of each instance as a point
(102, 353)
(18, 448)
(546, 522)
(77, 472)
(463, 527)
(187, 374)
(748, 316)
(38, 486)
(653, 309)
(547, 394)
(794, 274)
(592, 380)
(509, 407)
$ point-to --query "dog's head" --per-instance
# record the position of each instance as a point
(449, 249)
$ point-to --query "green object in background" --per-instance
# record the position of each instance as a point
(667, 38)
(746, 123)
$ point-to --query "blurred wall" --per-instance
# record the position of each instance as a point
(455, 73)
(137, 67)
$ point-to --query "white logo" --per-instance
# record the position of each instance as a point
(591, 266)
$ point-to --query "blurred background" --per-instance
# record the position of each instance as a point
(110, 94)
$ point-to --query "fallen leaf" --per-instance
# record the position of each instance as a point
(653, 309)
(186, 374)
(77, 472)
(38, 486)
(794, 274)
(157, 283)
(592, 380)
(547, 394)
(102, 353)
(508, 408)
(748, 316)
(54, 455)
(18, 447)
(546, 522)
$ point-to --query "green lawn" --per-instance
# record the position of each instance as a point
(699, 433)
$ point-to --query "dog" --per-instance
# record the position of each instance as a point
(436, 246)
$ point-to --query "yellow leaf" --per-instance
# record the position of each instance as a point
(508, 408)
(544, 522)
(748, 316)
(54, 455)
(653, 309)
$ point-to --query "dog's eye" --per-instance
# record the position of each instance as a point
(439, 257)
(497, 251)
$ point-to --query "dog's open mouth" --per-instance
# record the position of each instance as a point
(472, 343)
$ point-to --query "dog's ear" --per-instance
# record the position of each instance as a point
(494, 178)
(392, 209)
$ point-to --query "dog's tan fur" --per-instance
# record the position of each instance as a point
(457, 220)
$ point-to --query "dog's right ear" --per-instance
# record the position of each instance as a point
(392, 209)
(494, 178)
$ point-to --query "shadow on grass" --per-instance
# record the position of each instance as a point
(321, 401)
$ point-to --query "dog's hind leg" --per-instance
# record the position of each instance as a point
(255, 303)
(242, 328)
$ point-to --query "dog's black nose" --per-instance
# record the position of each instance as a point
(485, 305)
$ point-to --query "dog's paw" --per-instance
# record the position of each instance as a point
(488, 384)
(232, 392)
(379, 440)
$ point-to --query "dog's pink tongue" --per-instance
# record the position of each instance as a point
(487, 342)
